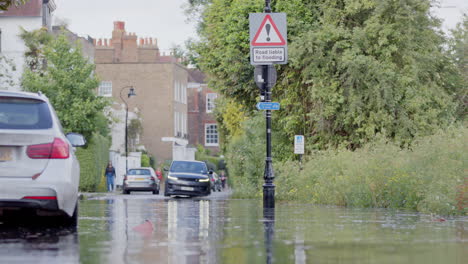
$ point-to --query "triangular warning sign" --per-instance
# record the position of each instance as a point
(268, 34)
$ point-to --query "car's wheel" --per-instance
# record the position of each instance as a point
(166, 190)
(125, 191)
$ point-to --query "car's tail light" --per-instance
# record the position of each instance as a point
(153, 179)
(55, 150)
(125, 177)
(41, 197)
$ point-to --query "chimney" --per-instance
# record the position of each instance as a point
(142, 42)
(119, 25)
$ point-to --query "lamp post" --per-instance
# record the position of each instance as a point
(131, 93)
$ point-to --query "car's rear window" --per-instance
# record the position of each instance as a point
(20, 113)
(187, 166)
(139, 172)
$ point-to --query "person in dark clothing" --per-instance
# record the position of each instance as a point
(110, 176)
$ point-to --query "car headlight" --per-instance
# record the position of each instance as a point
(203, 180)
(172, 178)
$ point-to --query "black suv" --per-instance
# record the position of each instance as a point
(188, 178)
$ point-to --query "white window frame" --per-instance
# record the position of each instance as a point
(176, 91)
(176, 123)
(210, 98)
(211, 144)
(105, 89)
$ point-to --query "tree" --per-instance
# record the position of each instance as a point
(69, 83)
(357, 68)
(458, 53)
(35, 42)
(5, 4)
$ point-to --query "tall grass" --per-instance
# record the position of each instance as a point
(431, 176)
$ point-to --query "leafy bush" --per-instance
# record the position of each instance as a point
(430, 177)
(244, 155)
(145, 160)
(93, 160)
(203, 154)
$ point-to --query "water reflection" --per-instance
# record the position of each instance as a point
(269, 227)
(30, 243)
(145, 230)
(142, 229)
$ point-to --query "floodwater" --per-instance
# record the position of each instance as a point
(144, 228)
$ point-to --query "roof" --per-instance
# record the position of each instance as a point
(196, 76)
(31, 8)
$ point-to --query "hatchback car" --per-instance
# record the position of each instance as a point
(38, 167)
(189, 178)
(141, 179)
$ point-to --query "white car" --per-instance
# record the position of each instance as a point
(38, 166)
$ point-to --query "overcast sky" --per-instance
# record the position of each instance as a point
(165, 19)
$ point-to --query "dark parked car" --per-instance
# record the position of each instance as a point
(188, 178)
(141, 179)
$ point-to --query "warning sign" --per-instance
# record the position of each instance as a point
(268, 34)
(268, 38)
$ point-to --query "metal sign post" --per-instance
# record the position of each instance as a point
(299, 147)
(268, 46)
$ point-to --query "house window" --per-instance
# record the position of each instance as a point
(210, 98)
(211, 135)
(105, 89)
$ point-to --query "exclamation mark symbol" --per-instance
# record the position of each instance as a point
(268, 26)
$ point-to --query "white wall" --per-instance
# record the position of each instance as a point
(134, 161)
(118, 129)
(12, 45)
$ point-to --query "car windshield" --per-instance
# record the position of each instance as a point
(187, 166)
(139, 172)
(20, 113)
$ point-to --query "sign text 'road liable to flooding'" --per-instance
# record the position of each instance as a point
(268, 55)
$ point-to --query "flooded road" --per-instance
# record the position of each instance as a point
(145, 228)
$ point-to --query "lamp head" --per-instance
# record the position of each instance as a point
(131, 92)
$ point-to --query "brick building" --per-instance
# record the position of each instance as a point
(160, 83)
(201, 122)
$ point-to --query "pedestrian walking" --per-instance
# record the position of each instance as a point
(110, 176)
(223, 179)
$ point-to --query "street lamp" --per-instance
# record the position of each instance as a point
(131, 92)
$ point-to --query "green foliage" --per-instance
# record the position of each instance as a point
(458, 53)
(70, 85)
(430, 177)
(93, 160)
(36, 41)
(245, 156)
(145, 160)
(203, 154)
(357, 69)
(373, 67)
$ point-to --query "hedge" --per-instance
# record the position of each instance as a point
(93, 160)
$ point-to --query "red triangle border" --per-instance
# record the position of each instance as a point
(254, 41)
